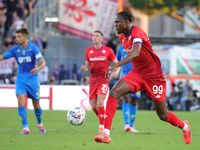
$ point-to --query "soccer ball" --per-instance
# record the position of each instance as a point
(76, 116)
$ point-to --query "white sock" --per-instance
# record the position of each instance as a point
(101, 126)
(26, 128)
(40, 124)
(107, 131)
(185, 127)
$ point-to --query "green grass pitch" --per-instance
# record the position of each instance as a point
(61, 135)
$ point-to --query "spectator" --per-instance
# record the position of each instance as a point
(43, 75)
(55, 72)
(186, 90)
(2, 18)
(51, 80)
(44, 42)
(85, 80)
(62, 74)
(74, 72)
(37, 41)
(68, 72)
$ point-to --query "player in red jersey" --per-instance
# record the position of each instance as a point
(146, 74)
(98, 58)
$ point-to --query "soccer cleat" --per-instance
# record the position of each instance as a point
(101, 130)
(127, 128)
(41, 129)
(103, 138)
(25, 131)
(187, 134)
(132, 129)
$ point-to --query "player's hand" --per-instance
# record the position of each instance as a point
(84, 68)
(35, 70)
(112, 69)
(114, 74)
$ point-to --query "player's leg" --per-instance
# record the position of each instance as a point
(38, 114)
(33, 88)
(93, 97)
(23, 114)
(21, 96)
(170, 117)
(125, 112)
(101, 111)
(120, 88)
(133, 111)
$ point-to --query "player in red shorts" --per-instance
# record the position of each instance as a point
(146, 74)
(98, 58)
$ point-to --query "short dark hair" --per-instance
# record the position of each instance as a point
(127, 16)
(23, 31)
(98, 31)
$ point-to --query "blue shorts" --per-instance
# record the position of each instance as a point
(29, 86)
(136, 95)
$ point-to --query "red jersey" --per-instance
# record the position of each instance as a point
(148, 62)
(99, 60)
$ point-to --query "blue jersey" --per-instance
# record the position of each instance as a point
(26, 59)
(121, 54)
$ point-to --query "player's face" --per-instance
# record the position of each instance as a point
(120, 24)
(20, 38)
(97, 38)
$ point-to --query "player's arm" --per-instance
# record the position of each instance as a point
(135, 52)
(86, 67)
(1, 57)
(42, 63)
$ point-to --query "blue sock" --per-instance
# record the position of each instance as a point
(133, 110)
(38, 114)
(23, 116)
(125, 111)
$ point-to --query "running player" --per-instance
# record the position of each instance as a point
(97, 61)
(129, 106)
(146, 74)
(27, 81)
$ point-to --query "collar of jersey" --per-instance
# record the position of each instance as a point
(99, 48)
(130, 32)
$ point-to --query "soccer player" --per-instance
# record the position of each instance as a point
(146, 74)
(97, 62)
(27, 81)
(129, 106)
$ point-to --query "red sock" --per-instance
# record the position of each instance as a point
(111, 107)
(101, 115)
(174, 120)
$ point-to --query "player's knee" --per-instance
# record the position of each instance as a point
(162, 116)
(114, 93)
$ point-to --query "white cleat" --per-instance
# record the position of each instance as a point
(127, 128)
(132, 129)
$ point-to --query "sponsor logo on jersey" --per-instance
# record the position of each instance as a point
(104, 51)
(24, 59)
(100, 58)
(157, 96)
(91, 52)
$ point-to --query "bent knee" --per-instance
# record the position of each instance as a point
(163, 117)
(114, 93)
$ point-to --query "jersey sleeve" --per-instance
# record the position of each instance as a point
(9, 53)
(86, 55)
(37, 52)
(112, 55)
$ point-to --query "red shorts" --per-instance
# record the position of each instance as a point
(156, 89)
(98, 88)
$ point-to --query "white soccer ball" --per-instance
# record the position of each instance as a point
(76, 116)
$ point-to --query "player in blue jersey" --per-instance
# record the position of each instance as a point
(129, 107)
(27, 82)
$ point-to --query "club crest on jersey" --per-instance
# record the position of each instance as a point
(103, 51)
(24, 59)
(91, 52)
(29, 49)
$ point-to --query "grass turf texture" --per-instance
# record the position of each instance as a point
(154, 134)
